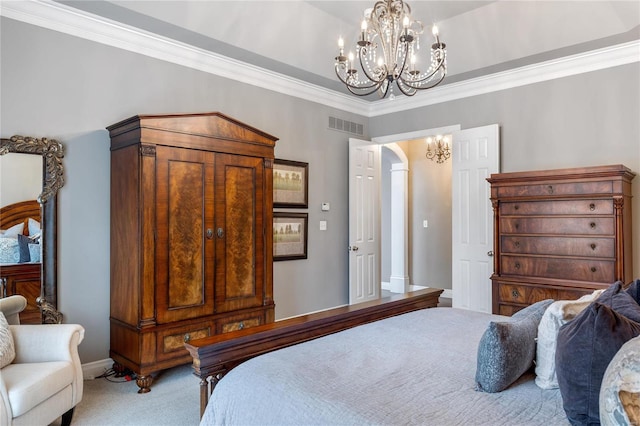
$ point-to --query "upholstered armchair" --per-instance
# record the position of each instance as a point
(44, 381)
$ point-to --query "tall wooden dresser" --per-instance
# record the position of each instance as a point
(559, 234)
(191, 238)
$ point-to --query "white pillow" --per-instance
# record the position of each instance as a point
(7, 348)
(34, 253)
(34, 227)
(9, 250)
(13, 231)
(557, 314)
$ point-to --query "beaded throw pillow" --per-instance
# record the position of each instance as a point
(7, 349)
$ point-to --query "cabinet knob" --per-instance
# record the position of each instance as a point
(220, 232)
(550, 189)
(187, 337)
(515, 294)
(517, 265)
(209, 233)
(593, 246)
(592, 225)
(517, 244)
(516, 207)
(241, 325)
(593, 269)
(592, 206)
(517, 225)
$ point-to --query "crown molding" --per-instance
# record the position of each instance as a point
(68, 20)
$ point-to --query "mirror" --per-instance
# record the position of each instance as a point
(52, 153)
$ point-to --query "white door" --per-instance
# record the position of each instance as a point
(364, 221)
(475, 155)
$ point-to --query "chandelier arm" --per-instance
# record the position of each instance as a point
(441, 67)
(364, 70)
(425, 87)
(406, 92)
(352, 88)
(345, 82)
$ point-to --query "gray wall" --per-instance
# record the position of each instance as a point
(584, 120)
(59, 86)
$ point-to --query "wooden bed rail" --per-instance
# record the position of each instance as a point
(214, 356)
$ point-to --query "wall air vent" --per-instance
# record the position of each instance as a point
(346, 126)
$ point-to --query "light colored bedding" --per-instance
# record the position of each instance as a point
(417, 369)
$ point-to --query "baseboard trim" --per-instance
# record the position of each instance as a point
(91, 370)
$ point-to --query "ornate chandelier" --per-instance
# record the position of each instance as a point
(438, 148)
(387, 51)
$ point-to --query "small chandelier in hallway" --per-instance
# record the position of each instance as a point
(388, 51)
(439, 148)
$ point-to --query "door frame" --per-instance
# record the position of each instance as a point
(403, 137)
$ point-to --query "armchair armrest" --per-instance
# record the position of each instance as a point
(11, 306)
(46, 342)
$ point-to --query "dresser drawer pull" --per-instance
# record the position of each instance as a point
(592, 206)
(517, 244)
(593, 246)
(517, 265)
(592, 225)
(593, 269)
(550, 189)
(241, 325)
(187, 337)
(517, 225)
(515, 294)
(516, 207)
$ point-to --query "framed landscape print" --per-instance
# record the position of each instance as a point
(290, 184)
(289, 236)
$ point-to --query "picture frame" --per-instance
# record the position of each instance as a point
(290, 231)
(290, 184)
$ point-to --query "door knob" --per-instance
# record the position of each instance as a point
(353, 248)
(490, 253)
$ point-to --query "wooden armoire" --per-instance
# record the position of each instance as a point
(559, 234)
(191, 237)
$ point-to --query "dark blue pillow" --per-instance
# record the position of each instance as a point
(621, 301)
(23, 248)
(585, 347)
(634, 290)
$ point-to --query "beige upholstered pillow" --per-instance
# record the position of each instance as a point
(7, 349)
(559, 313)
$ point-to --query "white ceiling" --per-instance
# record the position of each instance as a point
(299, 38)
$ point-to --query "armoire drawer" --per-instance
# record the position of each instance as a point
(560, 207)
(172, 340)
(558, 225)
(239, 322)
(598, 271)
(556, 189)
(558, 246)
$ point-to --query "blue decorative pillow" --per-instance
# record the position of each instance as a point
(507, 348)
(23, 246)
(585, 347)
(621, 301)
(634, 290)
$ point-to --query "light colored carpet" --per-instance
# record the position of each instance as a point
(174, 400)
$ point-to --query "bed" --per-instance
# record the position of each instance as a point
(20, 270)
(422, 373)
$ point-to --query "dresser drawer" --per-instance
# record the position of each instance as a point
(558, 225)
(556, 189)
(560, 207)
(239, 322)
(171, 342)
(558, 246)
(599, 271)
(513, 297)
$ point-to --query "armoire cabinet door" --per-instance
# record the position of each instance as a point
(184, 233)
(239, 232)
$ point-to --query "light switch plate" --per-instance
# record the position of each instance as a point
(323, 225)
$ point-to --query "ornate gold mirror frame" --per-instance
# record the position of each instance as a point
(52, 153)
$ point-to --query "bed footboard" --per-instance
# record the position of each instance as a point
(214, 356)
